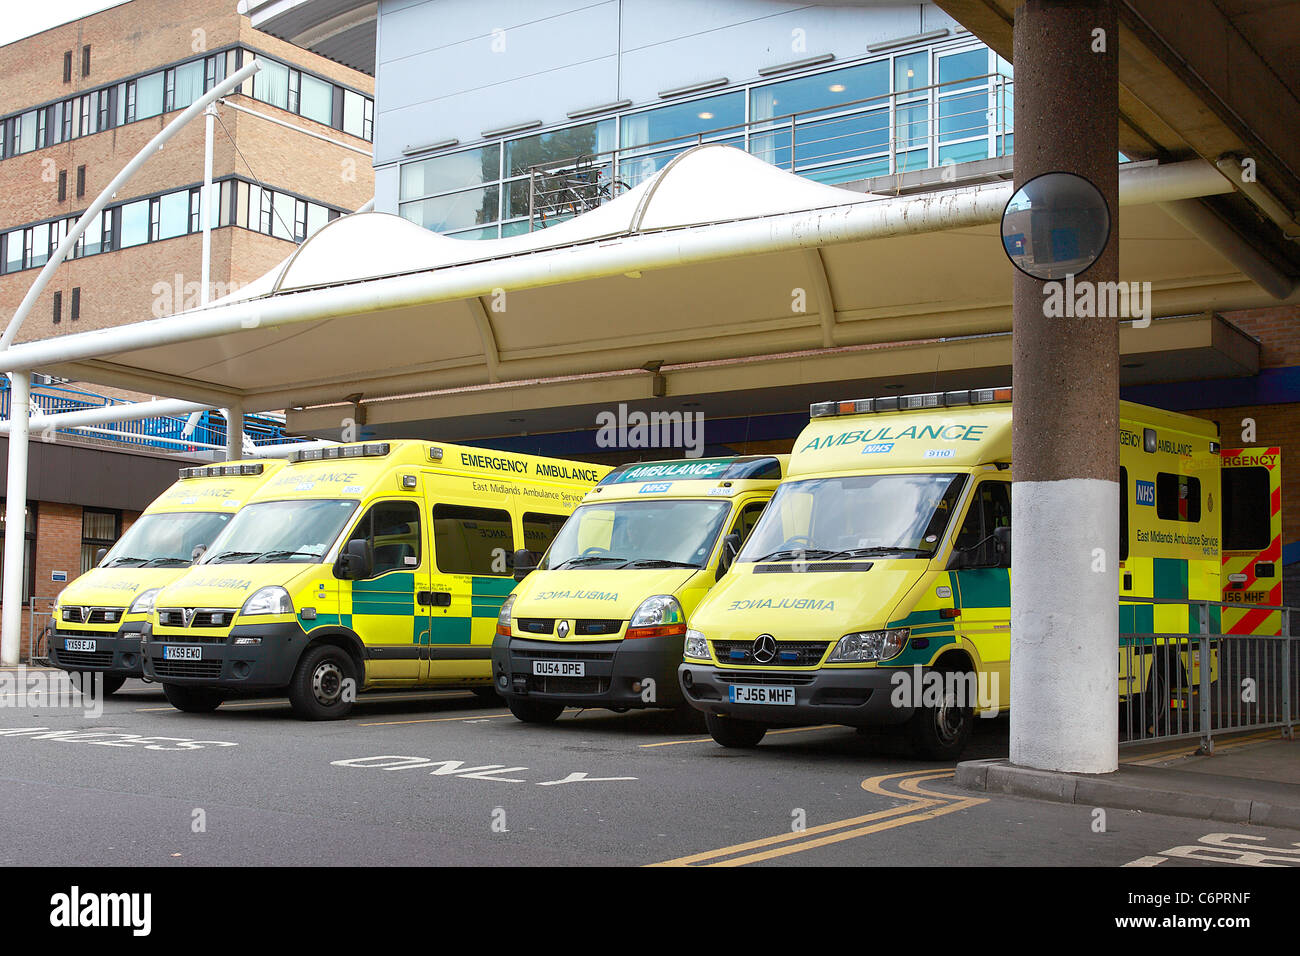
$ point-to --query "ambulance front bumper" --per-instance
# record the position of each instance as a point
(857, 697)
(115, 653)
(223, 662)
(614, 673)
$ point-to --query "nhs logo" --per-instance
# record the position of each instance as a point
(1146, 493)
(878, 448)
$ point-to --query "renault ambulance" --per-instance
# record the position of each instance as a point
(881, 569)
(601, 621)
(96, 620)
(372, 565)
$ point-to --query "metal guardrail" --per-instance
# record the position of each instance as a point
(38, 652)
(166, 433)
(922, 128)
(1181, 686)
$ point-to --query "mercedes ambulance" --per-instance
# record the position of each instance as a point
(96, 620)
(601, 621)
(884, 557)
(381, 564)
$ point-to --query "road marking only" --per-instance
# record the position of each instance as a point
(921, 805)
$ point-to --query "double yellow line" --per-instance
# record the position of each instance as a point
(921, 805)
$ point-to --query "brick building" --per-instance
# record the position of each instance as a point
(291, 151)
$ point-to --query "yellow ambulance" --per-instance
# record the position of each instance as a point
(96, 620)
(369, 565)
(600, 622)
(881, 569)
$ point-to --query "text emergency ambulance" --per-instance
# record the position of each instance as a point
(600, 623)
(96, 620)
(884, 557)
(381, 564)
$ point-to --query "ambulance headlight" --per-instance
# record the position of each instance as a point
(503, 619)
(696, 646)
(869, 646)
(272, 600)
(656, 611)
(143, 602)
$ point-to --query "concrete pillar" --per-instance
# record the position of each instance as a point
(1065, 515)
(11, 593)
(234, 432)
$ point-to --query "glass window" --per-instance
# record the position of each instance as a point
(461, 210)
(134, 223)
(991, 508)
(969, 65)
(646, 533)
(317, 100)
(40, 245)
(487, 232)
(391, 530)
(540, 530)
(1247, 509)
(174, 215)
(165, 540)
(14, 251)
(747, 518)
(271, 84)
(963, 116)
(683, 119)
(472, 540)
(284, 532)
(188, 84)
(824, 89)
(317, 216)
(27, 132)
(1178, 497)
(353, 113)
(148, 96)
(99, 529)
(911, 71)
(284, 213)
(90, 242)
(560, 144)
(440, 174)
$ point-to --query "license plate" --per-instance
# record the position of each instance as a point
(559, 669)
(182, 653)
(750, 694)
(70, 645)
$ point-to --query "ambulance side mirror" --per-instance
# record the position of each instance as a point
(1002, 546)
(730, 548)
(99, 555)
(354, 561)
(525, 563)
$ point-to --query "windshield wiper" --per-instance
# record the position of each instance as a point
(154, 562)
(877, 549)
(586, 559)
(794, 553)
(231, 554)
(283, 553)
(116, 561)
(661, 563)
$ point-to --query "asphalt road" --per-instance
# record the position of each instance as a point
(441, 778)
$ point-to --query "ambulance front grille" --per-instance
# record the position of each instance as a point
(86, 658)
(805, 653)
(751, 677)
(536, 625)
(206, 669)
(201, 617)
(568, 685)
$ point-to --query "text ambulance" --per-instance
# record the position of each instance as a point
(600, 623)
(96, 621)
(359, 566)
(876, 588)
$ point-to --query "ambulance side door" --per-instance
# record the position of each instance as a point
(385, 613)
(984, 593)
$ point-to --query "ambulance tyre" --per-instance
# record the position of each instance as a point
(733, 732)
(535, 711)
(112, 683)
(192, 700)
(940, 732)
(318, 690)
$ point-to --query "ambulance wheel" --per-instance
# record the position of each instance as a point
(192, 700)
(940, 732)
(112, 683)
(487, 692)
(535, 711)
(319, 688)
(732, 732)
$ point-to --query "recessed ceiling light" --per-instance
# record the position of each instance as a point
(706, 116)
(837, 87)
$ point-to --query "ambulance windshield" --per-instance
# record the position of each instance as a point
(165, 540)
(638, 534)
(272, 532)
(855, 516)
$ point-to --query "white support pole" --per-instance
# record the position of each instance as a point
(129, 170)
(234, 432)
(11, 617)
(205, 205)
